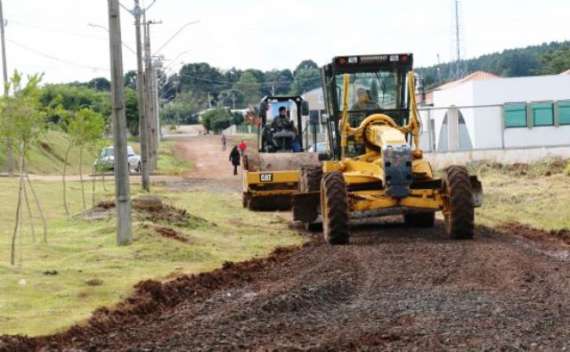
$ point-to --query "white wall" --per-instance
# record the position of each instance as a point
(485, 125)
(537, 136)
(524, 89)
(521, 89)
(488, 127)
(507, 156)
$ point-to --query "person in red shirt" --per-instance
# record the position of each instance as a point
(242, 147)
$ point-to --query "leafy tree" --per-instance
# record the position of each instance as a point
(555, 61)
(73, 98)
(23, 122)
(306, 65)
(132, 111)
(100, 84)
(231, 98)
(250, 87)
(85, 128)
(217, 120)
(170, 88)
(180, 110)
(306, 79)
(547, 58)
(131, 79)
(202, 80)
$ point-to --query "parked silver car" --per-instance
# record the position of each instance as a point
(106, 160)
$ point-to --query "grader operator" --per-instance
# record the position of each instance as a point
(377, 165)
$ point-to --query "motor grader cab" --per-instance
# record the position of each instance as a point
(377, 166)
(271, 173)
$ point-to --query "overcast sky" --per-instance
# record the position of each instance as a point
(54, 37)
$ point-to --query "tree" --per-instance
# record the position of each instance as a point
(217, 120)
(306, 79)
(100, 84)
(23, 122)
(231, 98)
(72, 98)
(306, 65)
(202, 81)
(131, 79)
(132, 111)
(85, 128)
(250, 87)
(180, 110)
(555, 61)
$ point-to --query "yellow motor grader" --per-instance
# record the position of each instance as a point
(271, 173)
(377, 167)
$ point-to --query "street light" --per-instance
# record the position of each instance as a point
(93, 25)
(175, 35)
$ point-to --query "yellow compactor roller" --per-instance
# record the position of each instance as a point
(377, 166)
(271, 173)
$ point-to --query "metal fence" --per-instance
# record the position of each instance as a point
(484, 127)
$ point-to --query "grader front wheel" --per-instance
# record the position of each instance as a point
(458, 209)
(334, 209)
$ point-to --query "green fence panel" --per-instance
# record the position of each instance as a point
(543, 114)
(515, 115)
(564, 112)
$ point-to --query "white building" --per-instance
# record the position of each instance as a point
(483, 111)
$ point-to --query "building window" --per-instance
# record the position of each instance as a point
(542, 114)
(515, 115)
(564, 112)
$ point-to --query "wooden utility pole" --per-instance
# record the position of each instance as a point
(149, 105)
(143, 122)
(151, 94)
(122, 191)
(9, 148)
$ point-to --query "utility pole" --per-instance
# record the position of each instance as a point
(143, 123)
(122, 191)
(10, 150)
(150, 102)
(458, 41)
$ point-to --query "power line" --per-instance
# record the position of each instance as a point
(55, 58)
(174, 36)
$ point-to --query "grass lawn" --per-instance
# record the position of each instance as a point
(169, 162)
(46, 157)
(526, 195)
(92, 271)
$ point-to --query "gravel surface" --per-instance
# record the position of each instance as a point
(392, 289)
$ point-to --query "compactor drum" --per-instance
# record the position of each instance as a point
(377, 166)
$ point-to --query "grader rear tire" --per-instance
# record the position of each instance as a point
(334, 209)
(459, 211)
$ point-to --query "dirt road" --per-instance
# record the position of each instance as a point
(391, 289)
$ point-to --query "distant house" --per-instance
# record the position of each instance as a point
(483, 111)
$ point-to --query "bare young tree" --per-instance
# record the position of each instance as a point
(22, 122)
(84, 128)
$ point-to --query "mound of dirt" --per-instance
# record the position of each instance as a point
(536, 235)
(150, 297)
(148, 208)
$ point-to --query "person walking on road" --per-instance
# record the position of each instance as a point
(224, 142)
(235, 158)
